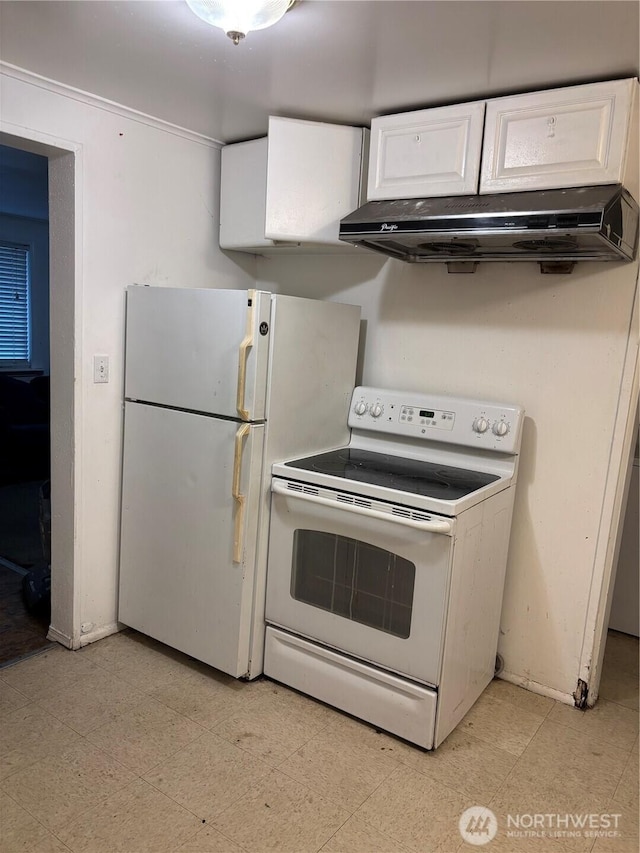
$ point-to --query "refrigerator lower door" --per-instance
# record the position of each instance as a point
(199, 349)
(187, 554)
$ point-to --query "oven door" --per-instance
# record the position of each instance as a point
(361, 576)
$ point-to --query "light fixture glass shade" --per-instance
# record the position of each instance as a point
(238, 17)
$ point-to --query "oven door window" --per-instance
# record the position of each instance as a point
(353, 579)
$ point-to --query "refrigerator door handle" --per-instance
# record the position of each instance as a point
(238, 497)
(245, 346)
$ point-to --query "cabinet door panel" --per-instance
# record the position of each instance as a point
(426, 153)
(313, 179)
(565, 137)
(288, 191)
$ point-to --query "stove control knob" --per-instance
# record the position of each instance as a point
(360, 407)
(376, 410)
(500, 428)
(480, 425)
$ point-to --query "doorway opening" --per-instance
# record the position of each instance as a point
(54, 540)
(25, 487)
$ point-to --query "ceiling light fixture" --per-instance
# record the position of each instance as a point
(238, 17)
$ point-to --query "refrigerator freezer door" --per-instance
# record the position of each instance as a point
(178, 579)
(198, 349)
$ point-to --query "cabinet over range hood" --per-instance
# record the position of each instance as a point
(554, 227)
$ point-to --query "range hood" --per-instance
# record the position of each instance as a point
(554, 227)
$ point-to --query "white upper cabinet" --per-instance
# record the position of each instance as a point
(289, 190)
(567, 137)
(426, 153)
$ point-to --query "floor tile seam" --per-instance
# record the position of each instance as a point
(613, 805)
(167, 757)
(544, 777)
(207, 728)
(117, 674)
(254, 754)
(603, 741)
(617, 702)
(461, 791)
(553, 722)
(607, 701)
(24, 808)
(340, 804)
(259, 760)
(146, 698)
(310, 792)
(22, 767)
(490, 741)
(205, 824)
(59, 686)
(441, 785)
(61, 718)
(247, 751)
(403, 844)
(208, 821)
(116, 666)
(17, 707)
(551, 707)
(333, 834)
(133, 680)
(54, 830)
(518, 708)
(58, 749)
(308, 740)
(103, 800)
(632, 759)
(623, 803)
(507, 780)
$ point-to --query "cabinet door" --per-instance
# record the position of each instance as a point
(290, 189)
(426, 153)
(243, 195)
(560, 138)
(313, 179)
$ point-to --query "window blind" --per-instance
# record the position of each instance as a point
(14, 305)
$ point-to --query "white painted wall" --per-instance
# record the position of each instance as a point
(145, 211)
(555, 344)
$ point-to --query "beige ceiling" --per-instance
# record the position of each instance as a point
(335, 60)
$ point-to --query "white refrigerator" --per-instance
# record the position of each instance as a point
(219, 384)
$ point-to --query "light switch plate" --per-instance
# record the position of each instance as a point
(100, 368)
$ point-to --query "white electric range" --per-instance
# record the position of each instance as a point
(387, 560)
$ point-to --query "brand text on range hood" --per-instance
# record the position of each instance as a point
(555, 227)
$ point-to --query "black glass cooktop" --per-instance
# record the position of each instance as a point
(396, 472)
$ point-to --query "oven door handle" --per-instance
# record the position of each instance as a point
(442, 526)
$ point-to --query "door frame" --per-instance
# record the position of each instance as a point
(65, 325)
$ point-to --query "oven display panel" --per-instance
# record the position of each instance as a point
(414, 415)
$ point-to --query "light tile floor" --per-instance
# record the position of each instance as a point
(129, 746)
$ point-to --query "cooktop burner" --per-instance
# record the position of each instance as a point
(396, 472)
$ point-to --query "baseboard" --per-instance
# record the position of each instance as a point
(540, 689)
(99, 633)
(58, 637)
